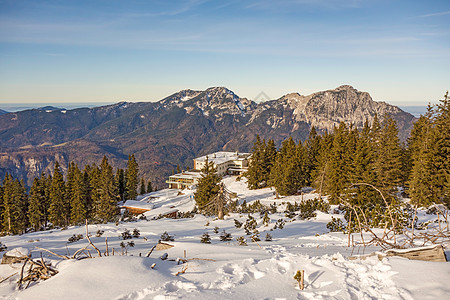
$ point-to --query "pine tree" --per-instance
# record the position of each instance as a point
(208, 184)
(388, 163)
(105, 206)
(363, 170)
(256, 169)
(429, 147)
(282, 175)
(78, 197)
(120, 182)
(142, 189)
(15, 206)
(312, 145)
(131, 176)
(35, 214)
(319, 172)
(2, 192)
(149, 187)
(91, 177)
(58, 203)
(338, 173)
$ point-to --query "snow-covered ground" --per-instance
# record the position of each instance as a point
(222, 270)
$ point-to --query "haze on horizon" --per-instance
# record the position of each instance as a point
(103, 51)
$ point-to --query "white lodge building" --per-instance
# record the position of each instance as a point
(226, 163)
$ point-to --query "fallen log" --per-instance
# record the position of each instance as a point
(429, 253)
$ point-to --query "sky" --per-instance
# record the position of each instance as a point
(110, 51)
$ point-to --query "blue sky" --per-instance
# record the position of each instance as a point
(94, 51)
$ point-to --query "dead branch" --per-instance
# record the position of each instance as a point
(38, 270)
(183, 270)
(151, 250)
(3, 280)
(60, 256)
(90, 242)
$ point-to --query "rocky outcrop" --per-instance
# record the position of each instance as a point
(176, 129)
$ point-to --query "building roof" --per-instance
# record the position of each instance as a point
(187, 174)
(222, 157)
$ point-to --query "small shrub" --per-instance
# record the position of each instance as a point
(126, 235)
(237, 224)
(336, 225)
(99, 233)
(279, 224)
(241, 241)
(75, 238)
(136, 233)
(266, 219)
(216, 229)
(268, 237)
(166, 237)
(130, 244)
(255, 238)
(205, 238)
(225, 237)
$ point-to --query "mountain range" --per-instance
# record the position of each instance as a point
(175, 129)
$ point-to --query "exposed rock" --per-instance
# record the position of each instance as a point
(176, 129)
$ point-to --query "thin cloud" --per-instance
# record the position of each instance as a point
(443, 13)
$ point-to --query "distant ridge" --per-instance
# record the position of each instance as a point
(175, 129)
(2, 112)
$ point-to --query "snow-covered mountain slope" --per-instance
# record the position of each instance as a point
(222, 270)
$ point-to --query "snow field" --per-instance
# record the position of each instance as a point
(223, 270)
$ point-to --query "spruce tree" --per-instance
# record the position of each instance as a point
(120, 182)
(338, 173)
(319, 172)
(58, 203)
(208, 185)
(105, 206)
(286, 174)
(149, 187)
(388, 163)
(312, 145)
(35, 214)
(78, 197)
(15, 206)
(256, 169)
(142, 189)
(131, 176)
(429, 147)
(363, 170)
(1, 206)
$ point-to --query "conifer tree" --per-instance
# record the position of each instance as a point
(142, 189)
(120, 181)
(319, 172)
(363, 170)
(388, 163)
(58, 203)
(131, 176)
(78, 197)
(256, 169)
(15, 206)
(338, 173)
(91, 177)
(285, 172)
(35, 214)
(312, 145)
(429, 147)
(149, 187)
(1, 206)
(105, 206)
(208, 184)
(270, 154)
